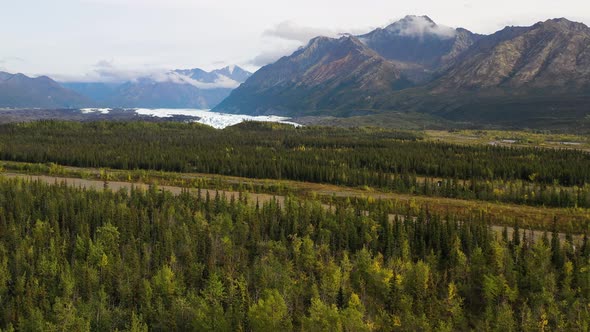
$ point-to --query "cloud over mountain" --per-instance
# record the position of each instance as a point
(420, 26)
(109, 71)
(271, 55)
(181, 88)
(290, 30)
(221, 81)
(286, 37)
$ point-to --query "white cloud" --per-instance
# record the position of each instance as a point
(175, 4)
(271, 55)
(7, 59)
(289, 30)
(174, 77)
(286, 37)
(10, 61)
(109, 71)
(419, 26)
(69, 36)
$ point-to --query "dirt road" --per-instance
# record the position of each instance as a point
(253, 197)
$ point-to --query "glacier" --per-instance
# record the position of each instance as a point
(95, 110)
(213, 119)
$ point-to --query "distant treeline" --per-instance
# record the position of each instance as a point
(81, 260)
(385, 159)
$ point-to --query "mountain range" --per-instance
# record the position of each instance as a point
(186, 88)
(530, 75)
(182, 88)
(18, 90)
(415, 65)
(327, 73)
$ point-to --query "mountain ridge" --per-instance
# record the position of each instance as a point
(546, 55)
(315, 75)
(546, 65)
(180, 88)
(19, 90)
(419, 40)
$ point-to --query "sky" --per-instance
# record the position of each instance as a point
(113, 40)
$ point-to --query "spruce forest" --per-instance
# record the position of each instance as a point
(294, 166)
(79, 260)
(75, 258)
(388, 160)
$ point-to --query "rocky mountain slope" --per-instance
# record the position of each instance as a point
(326, 74)
(418, 45)
(541, 71)
(407, 53)
(553, 55)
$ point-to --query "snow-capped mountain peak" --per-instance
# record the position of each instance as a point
(181, 88)
(420, 26)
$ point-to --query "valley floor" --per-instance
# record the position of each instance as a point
(536, 220)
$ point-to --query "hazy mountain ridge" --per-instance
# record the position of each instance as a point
(181, 88)
(152, 94)
(19, 90)
(100, 92)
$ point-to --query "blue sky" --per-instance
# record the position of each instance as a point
(79, 40)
